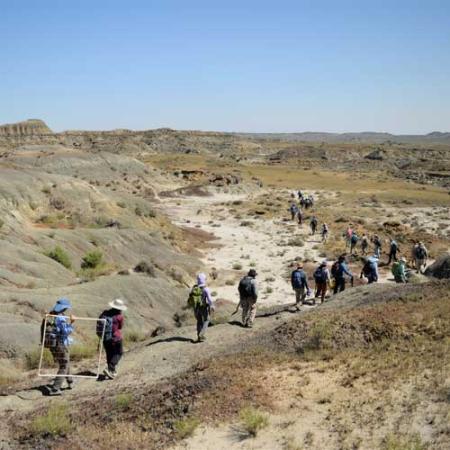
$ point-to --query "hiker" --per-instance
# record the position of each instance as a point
(321, 279)
(248, 295)
(399, 271)
(294, 210)
(300, 217)
(56, 337)
(299, 284)
(338, 271)
(300, 195)
(313, 225)
(111, 331)
(353, 241)
(370, 269)
(324, 232)
(348, 236)
(393, 249)
(364, 244)
(420, 255)
(377, 245)
(200, 301)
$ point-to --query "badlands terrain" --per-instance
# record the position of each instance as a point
(369, 369)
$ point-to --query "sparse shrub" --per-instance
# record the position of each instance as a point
(9, 374)
(269, 279)
(83, 350)
(186, 427)
(296, 242)
(252, 264)
(55, 423)
(2, 222)
(121, 204)
(57, 203)
(32, 358)
(133, 336)
(151, 214)
(269, 290)
(145, 267)
(123, 401)
(46, 190)
(59, 255)
(237, 266)
(229, 282)
(33, 205)
(246, 223)
(92, 260)
(413, 442)
(214, 294)
(253, 420)
(138, 211)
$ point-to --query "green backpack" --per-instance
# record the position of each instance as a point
(195, 297)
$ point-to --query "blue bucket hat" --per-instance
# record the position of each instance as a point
(61, 305)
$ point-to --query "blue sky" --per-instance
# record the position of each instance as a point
(278, 66)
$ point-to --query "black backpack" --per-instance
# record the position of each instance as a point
(320, 275)
(420, 253)
(335, 269)
(49, 336)
(245, 287)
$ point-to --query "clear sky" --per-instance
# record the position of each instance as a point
(261, 66)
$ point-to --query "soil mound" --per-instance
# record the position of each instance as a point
(440, 268)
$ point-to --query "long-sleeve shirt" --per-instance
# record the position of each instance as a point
(206, 296)
(63, 330)
(299, 280)
(343, 270)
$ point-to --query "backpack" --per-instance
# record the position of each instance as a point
(396, 269)
(105, 327)
(245, 287)
(420, 253)
(314, 221)
(367, 269)
(335, 269)
(297, 279)
(49, 336)
(195, 298)
(320, 276)
(354, 239)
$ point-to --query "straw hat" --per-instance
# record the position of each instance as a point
(118, 304)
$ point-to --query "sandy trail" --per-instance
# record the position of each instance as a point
(263, 245)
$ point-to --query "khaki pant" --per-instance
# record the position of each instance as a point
(62, 356)
(420, 262)
(300, 295)
(248, 305)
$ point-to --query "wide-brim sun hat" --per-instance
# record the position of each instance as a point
(118, 304)
(403, 259)
(61, 305)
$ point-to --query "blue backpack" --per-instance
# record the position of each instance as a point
(105, 327)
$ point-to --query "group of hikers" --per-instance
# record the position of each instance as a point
(56, 333)
(58, 326)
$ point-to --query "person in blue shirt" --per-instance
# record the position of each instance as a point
(299, 282)
(339, 271)
(63, 328)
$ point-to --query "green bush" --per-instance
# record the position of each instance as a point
(2, 222)
(55, 423)
(134, 336)
(186, 427)
(123, 401)
(59, 255)
(121, 204)
(237, 266)
(253, 420)
(92, 260)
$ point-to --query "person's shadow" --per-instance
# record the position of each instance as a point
(172, 339)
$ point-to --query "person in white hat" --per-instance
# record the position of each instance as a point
(110, 329)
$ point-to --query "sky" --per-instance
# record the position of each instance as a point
(256, 66)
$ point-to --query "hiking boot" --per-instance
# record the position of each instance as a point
(109, 374)
(70, 385)
(54, 391)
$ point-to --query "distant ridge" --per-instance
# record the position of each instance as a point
(36, 127)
